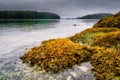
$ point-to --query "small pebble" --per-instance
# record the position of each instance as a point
(69, 78)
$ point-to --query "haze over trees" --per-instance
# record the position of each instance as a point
(27, 15)
(95, 16)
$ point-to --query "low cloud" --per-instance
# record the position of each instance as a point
(63, 7)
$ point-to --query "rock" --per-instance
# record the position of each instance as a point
(74, 24)
(56, 55)
(69, 78)
(110, 21)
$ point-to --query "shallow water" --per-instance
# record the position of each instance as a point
(16, 36)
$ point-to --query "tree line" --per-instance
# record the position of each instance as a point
(95, 16)
(27, 15)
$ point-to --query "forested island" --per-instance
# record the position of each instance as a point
(27, 15)
(95, 16)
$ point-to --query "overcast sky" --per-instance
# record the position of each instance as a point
(65, 8)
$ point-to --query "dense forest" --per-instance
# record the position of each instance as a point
(95, 16)
(27, 15)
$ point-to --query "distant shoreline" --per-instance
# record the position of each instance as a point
(95, 16)
(27, 15)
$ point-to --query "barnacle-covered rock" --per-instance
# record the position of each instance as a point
(57, 55)
(106, 64)
(110, 21)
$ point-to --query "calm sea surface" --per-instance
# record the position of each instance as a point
(17, 35)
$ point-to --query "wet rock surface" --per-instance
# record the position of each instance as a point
(79, 72)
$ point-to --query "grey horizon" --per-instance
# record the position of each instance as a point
(65, 8)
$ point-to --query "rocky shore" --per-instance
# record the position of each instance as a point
(97, 49)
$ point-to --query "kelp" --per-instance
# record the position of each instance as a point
(109, 40)
(110, 21)
(106, 64)
(86, 36)
(100, 45)
(57, 55)
(105, 42)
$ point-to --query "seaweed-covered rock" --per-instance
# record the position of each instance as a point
(103, 37)
(99, 45)
(110, 21)
(86, 36)
(105, 33)
(109, 40)
(57, 55)
(106, 64)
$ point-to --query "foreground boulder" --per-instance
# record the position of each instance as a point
(61, 54)
(106, 64)
(57, 55)
(110, 21)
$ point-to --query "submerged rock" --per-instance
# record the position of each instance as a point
(29, 73)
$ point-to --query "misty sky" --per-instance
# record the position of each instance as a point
(65, 8)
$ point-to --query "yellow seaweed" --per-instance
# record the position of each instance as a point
(57, 55)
